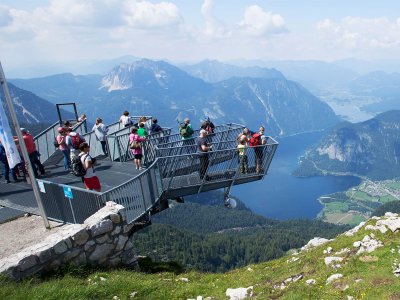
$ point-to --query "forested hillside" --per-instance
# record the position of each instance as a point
(209, 237)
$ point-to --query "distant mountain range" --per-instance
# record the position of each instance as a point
(370, 148)
(160, 89)
(215, 71)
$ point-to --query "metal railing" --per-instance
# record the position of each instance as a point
(44, 141)
(68, 204)
(173, 172)
(119, 146)
(189, 174)
(177, 137)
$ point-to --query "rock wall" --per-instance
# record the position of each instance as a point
(102, 240)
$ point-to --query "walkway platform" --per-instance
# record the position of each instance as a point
(18, 198)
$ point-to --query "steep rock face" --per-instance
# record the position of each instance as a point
(283, 106)
(29, 108)
(370, 148)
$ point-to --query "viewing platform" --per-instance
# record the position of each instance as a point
(172, 171)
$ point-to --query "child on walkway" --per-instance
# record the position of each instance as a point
(243, 160)
(136, 151)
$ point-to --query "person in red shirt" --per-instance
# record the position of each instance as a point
(33, 153)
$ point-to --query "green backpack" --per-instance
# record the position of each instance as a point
(185, 131)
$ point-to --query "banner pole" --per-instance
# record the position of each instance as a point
(22, 146)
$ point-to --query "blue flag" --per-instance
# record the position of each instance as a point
(7, 139)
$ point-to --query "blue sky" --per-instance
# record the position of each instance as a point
(67, 31)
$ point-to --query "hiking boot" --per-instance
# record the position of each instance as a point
(7, 181)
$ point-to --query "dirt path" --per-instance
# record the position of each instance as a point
(23, 232)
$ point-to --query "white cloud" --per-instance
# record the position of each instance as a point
(361, 33)
(148, 15)
(5, 16)
(214, 28)
(258, 22)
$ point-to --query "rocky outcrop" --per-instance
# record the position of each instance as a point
(102, 240)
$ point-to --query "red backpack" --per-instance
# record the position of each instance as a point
(255, 140)
(76, 141)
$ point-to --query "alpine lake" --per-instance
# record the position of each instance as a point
(283, 196)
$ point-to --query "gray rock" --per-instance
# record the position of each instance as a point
(80, 237)
(101, 252)
(333, 277)
(116, 230)
(115, 218)
(121, 242)
(44, 255)
(60, 247)
(80, 259)
(71, 254)
(331, 259)
(27, 262)
(239, 293)
(89, 245)
(101, 228)
(102, 239)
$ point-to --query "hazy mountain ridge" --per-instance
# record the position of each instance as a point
(214, 71)
(29, 108)
(163, 90)
(370, 148)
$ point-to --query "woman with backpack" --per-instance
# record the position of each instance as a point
(90, 178)
(135, 144)
(61, 140)
(100, 130)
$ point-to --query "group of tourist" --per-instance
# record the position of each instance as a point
(34, 157)
(251, 139)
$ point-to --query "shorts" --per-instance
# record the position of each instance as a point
(138, 156)
(92, 183)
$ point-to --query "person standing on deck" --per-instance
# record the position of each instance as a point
(135, 145)
(125, 120)
(62, 145)
(100, 130)
(202, 149)
(155, 127)
(90, 179)
(33, 153)
(6, 170)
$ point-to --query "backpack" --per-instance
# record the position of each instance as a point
(185, 131)
(208, 129)
(135, 144)
(255, 140)
(3, 156)
(76, 141)
(77, 166)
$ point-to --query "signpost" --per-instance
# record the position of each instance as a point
(23, 147)
(68, 194)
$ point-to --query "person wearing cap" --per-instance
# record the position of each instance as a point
(202, 149)
(62, 145)
(100, 130)
(33, 153)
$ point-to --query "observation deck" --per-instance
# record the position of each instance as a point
(172, 171)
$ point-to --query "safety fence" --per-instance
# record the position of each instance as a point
(177, 137)
(69, 204)
(119, 146)
(44, 141)
(167, 177)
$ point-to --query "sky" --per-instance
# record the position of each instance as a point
(35, 33)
